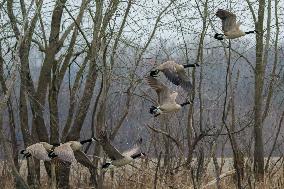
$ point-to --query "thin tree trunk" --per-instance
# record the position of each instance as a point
(258, 97)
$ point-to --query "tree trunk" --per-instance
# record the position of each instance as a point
(258, 97)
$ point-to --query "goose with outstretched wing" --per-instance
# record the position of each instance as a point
(166, 98)
(119, 159)
(230, 26)
(175, 73)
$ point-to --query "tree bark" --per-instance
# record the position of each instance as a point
(258, 97)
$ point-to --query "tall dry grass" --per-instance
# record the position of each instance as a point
(145, 174)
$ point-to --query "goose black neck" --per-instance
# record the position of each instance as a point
(185, 103)
(136, 155)
(189, 65)
(248, 32)
(85, 141)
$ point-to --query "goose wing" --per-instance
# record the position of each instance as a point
(38, 151)
(169, 70)
(65, 152)
(172, 75)
(164, 93)
(83, 159)
(134, 150)
(131, 151)
(184, 80)
(228, 19)
(110, 150)
(177, 77)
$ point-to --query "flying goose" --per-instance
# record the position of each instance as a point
(166, 98)
(119, 159)
(65, 151)
(175, 73)
(39, 150)
(230, 27)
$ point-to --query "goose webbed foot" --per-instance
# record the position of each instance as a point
(219, 36)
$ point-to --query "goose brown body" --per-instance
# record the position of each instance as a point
(66, 151)
(39, 151)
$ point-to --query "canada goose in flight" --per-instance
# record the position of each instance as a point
(230, 27)
(175, 73)
(65, 151)
(119, 159)
(166, 98)
(39, 150)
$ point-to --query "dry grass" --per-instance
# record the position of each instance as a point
(142, 176)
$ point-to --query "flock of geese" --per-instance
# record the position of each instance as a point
(174, 72)
(65, 152)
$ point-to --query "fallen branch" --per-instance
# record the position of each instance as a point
(220, 177)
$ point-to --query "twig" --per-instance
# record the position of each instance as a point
(167, 135)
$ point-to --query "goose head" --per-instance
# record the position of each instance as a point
(107, 166)
(52, 155)
(154, 73)
(25, 153)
